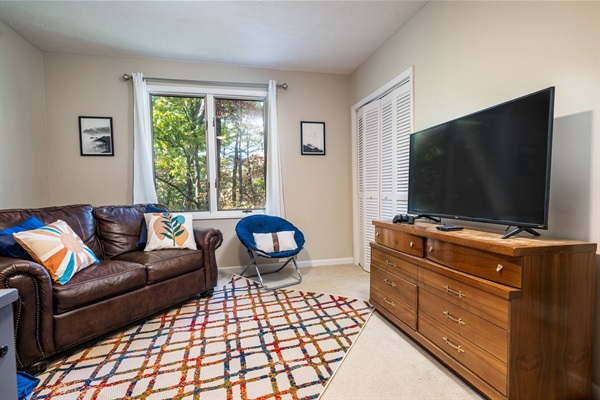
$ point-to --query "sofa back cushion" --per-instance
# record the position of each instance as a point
(119, 227)
(10, 218)
(78, 216)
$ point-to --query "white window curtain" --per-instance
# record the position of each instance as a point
(274, 202)
(144, 190)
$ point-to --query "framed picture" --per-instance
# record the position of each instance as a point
(96, 136)
(312, 138)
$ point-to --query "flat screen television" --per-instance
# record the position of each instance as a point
(490, 166)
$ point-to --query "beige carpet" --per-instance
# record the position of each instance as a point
(383, 363)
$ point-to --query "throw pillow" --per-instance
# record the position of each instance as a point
(9, 246)
(57, 248)
(275, 242)
(144, 231)
(169, 231)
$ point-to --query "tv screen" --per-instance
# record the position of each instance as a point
(489, 166)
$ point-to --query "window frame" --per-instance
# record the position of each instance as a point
(210, 94)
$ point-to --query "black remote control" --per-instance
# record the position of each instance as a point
(449, 227)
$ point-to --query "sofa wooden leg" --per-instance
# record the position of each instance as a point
(207, 294)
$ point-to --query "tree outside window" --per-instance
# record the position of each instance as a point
(240, 134)
(183, 134)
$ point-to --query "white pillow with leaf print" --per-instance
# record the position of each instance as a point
(169, 231)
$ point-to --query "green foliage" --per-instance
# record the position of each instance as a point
(180, 153)
(241, 154)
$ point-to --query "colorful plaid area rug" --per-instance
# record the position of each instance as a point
(243, 343)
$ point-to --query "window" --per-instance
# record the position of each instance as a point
(180, 159)
(240, 134)
(209, 150)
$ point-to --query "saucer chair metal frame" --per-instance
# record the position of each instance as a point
(269, 224)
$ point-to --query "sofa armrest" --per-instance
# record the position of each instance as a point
(209, 240)
(33, 312)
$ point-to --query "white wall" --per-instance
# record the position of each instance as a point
(23, 143)
(471, 55)
(317, 189)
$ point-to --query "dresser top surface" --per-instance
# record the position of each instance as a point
(491, 241)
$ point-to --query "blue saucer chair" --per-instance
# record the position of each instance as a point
(245, 229)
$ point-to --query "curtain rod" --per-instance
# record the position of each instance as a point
(283, 86)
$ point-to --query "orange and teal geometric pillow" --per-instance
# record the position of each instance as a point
(57, 248)
(169, 231)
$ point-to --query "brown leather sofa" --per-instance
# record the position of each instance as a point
(126, 285)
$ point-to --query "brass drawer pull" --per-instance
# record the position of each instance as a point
(454, 346)
(376, 234)
(411, 245)
(391, 283)
(454, 319)
(431, 249)
(499, 268)
(391, 263)
(460, 294)
(391, 303)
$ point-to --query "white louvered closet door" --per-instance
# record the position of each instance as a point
(403, 127)
(388, 158)
(396, 126)
(371, 164)
(383, 139)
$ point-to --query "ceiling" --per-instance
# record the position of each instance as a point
(315, 36)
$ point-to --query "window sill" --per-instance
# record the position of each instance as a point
(224, 215)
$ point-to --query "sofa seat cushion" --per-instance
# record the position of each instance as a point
(165, 264)
(100, 281)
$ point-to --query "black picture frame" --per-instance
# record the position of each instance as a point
(96, 136)
(312, 138)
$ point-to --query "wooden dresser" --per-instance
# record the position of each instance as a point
(512, 317)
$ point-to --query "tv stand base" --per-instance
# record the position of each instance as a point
(520, 229)
(427, 217)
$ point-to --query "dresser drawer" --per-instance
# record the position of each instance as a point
(487, 367)
(477, 330)
(396, 295)
(400, 241)
(465, 293)
(394, 286)
(400, 309)
(388, 261)
(495, 267)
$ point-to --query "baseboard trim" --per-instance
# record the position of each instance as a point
(301, 264)
(595, 391)
(321, 263)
